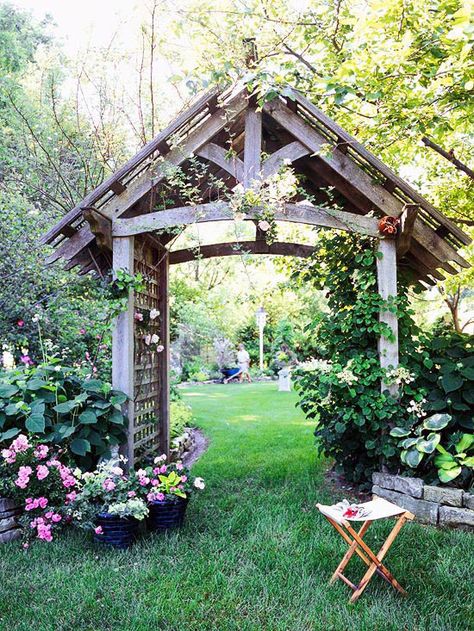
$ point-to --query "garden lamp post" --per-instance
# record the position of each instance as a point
(261, 317)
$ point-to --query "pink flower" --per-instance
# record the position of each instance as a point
(184, 478)
(26, 545)
(82, 331)
(43, 502)
(20, 444)
(41, 451)
(44, 532)
(138, 316)
(42, 472)
(9, 455)
(109, 485)
(26, 359)
(180, 487)
(179, 466)
(98, 530)
(163, 469)
(23, 477)
(21, 323)
(70, 497)
(156, 470)
(49, 514)
(160, 348)
(56, 518)
(31, 504)
(131, 494)
(155, 482)
(144, 481)
(152, 497)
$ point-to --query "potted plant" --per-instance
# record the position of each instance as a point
(108, 503)
(33, 476)
(167, 488)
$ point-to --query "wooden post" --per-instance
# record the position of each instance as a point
(123, 342)
(252, 147)
(164, 360)
(387, 286)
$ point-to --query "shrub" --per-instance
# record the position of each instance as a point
(181, 416)
(57, 406)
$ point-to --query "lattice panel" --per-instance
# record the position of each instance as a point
(147, 361)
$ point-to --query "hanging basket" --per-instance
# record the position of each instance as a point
(166, 514)
(117, 532)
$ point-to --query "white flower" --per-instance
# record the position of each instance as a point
(155, 339)
(147, 339)
(160, 348)
(264, 225)
(199, 483)
(160, 458)
(316, 365)
(116, 470)
(36, 317)
(77, 473)
(154, 313)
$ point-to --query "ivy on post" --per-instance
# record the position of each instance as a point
(122, 340)
(387, 288)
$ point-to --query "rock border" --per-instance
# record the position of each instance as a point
(9, 529)
(435, 505)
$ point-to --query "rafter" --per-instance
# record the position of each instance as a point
(218, 155)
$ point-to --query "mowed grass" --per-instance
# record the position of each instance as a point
(254, 554)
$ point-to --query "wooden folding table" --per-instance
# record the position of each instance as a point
(378, 508)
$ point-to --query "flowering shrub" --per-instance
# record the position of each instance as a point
(55, 405)
(166, 481)
(34, 476)
(107, 490)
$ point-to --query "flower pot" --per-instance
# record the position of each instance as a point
(166, 514)
(117, 532)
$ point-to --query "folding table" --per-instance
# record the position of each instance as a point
(378, 508)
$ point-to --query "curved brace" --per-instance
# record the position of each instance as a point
(239, 248)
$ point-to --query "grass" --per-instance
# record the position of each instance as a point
(254, 554)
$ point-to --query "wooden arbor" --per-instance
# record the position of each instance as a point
(118, 225)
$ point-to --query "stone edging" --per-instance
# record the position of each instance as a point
(9, 529)
(436, 505)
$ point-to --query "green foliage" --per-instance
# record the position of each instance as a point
(455, 461)
(56, 405)
(181, 416)
(341, 392)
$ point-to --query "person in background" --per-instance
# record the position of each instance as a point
(243, 360)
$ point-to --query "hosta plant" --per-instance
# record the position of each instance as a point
(421, 448)
(35, 476)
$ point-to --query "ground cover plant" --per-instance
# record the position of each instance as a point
(254, 553)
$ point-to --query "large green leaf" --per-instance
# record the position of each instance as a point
(80, 446)
(66, 407)
(466, 441)
(10, 433)
(36, 384)
(93, 385)
(7, 390)
(65, 430)
(35, 423)
(451, 381)
(413, 458)
(400, 432)
(408, 442)
(437, 421)
(118, 398)
(445, 461)
(468, 373)
(88, 417)
(117, 417)
(468, 396)
(448, 475)
(428, 445)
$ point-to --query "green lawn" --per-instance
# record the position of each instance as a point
(254, 554)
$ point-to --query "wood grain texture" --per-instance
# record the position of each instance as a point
(239, 249)
(387, 287)
(218, 155)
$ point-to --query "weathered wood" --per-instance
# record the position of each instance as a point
(405, 230)
(129, 166)
(153, 175)
(252, 148)
(218, 155)
(387, 287)
(101, 228)
(239, 248)
(164, 357)
(344, 136)
(123, 340)
(290, 152)
(221, 211)
(342, 164)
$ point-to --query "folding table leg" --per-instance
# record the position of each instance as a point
(377, 559)
(347, 557)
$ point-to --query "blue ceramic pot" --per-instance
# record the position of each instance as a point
(166, 514)
(117, 532)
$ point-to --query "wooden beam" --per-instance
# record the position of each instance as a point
(387, 287)
(123, 341)
(101, 228)
(153, 175)
(218, 155)
(253, 147)
(164, 357)
(129, 166)
(405, 229)
(360, 181)
(239, 249)
(291, 152)
(221, 211)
